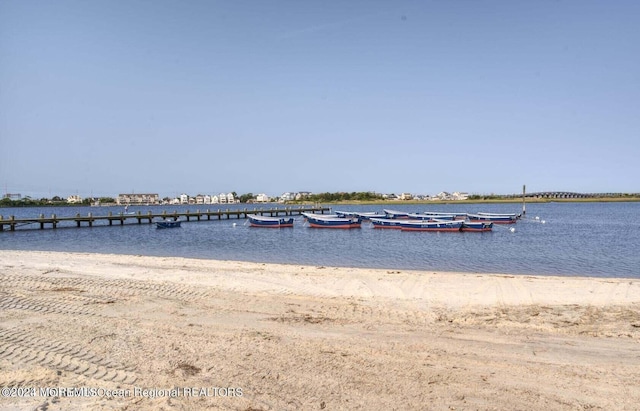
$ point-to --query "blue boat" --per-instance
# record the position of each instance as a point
(345, 214)
(512, 215)
(395, 214)
(499, 214)
(456, 216)
(478, 226)
(333, 222)
(168, 224)
(493, 218)
(314, 215)
(366, 215)
(269, 222)
(431, 217)
(370, 215)
(422, 225)
(386, 222)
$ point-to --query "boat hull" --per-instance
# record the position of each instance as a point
(445, 226)
(270, 222)
(455, 216)
(345, 214)
(492, 219)
(476, 226)
(314, 215)
(395, 214)
(431, 217)
(338, 223)
(386, 223)
(440, 229)
(168, 224)
(369, 216)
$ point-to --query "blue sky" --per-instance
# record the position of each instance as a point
(108, 97)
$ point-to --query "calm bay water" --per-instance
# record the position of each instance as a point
(591, 239)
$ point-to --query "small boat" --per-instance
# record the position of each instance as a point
(422, 225)
(500, 214)
(269, 222)
(362, 215)
(493, 218)
(333, 222)
(168, 223)
(344, 214)
(395, 214)
(456, 216)
(370, 215)
(314, 215)
(386, 222)
(431, 217)
(476, 226)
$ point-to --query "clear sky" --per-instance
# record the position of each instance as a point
(107, 97)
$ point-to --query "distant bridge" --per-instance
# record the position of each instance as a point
(563, 194)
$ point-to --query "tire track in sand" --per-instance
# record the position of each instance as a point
(20, 347)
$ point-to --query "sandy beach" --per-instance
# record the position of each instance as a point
(117, 332)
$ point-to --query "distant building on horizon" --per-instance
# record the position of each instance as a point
(138, 199)
(74, 199)
(286, 197)
(302, 195)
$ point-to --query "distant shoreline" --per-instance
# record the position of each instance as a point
(488, 201)
(383, 202)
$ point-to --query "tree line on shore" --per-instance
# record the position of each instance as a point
(55, 201)
(327, 197)
(244, 198)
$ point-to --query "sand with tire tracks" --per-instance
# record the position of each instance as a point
(91, 331)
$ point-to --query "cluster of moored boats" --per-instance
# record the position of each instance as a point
(426, 221)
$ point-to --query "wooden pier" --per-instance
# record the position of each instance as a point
(120, 218)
